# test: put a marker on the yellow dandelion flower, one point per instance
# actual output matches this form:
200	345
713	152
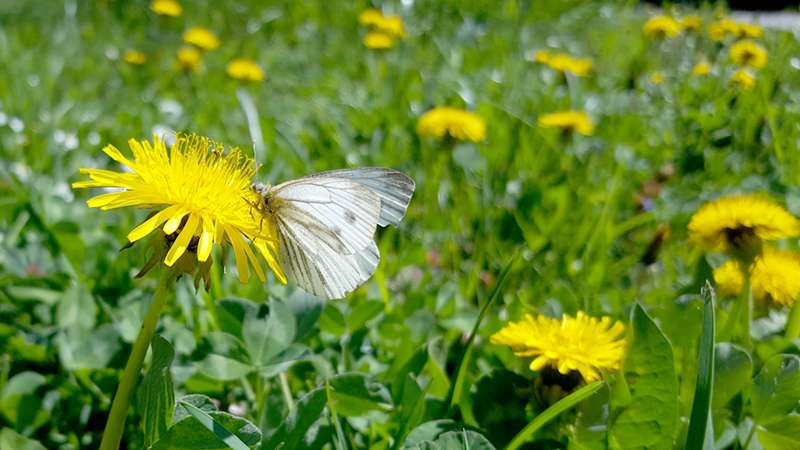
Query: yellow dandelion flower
743	79
188	58
134	57
457	123
245	70
657	78
584	344
701	69
735	221
750	30
776	277
692	23
662	27
749	54
205	195
568	121
580	67
370	17
392	25
202	38
542	56
723	29
169	8
378	41
729	278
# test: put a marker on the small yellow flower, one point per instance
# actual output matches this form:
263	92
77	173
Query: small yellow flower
245	70
568	121
729	278
378	41
169	8
390	25
134	57
457	123
657	78
370	17
692	23
749	54
204	196
723	29
750	30
188	58
776	277
200	37
584	344
743	79
701	69
542	56
580	67
735	221
662	27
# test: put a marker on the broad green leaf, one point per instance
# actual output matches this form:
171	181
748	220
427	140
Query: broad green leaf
354	395
733	370
230	314
776	389
306	309
362	312
429	431
410	409
281	362
456	440
156	394
781	434
11	440
84	349
502	397
332	320
267	337
215	426
293	432
701	406
591	424
223	368
414	365
650	419
18	401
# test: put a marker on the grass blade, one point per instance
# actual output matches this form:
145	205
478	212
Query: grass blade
701	405
222	433
552	412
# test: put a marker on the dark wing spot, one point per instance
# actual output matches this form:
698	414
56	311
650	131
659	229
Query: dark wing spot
350	217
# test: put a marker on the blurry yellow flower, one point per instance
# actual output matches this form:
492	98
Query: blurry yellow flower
584	344
378	41
662	27
204	196
370	17
390	25
457	123
245	70
729	278
580	67
701	69
568	121
692	23
749	54
657	78
201	37
134	57
188	58
776	277
722	29
542	56
736	221
169	8
743	79
750	30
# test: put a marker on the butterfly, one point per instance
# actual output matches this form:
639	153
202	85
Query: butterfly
326	222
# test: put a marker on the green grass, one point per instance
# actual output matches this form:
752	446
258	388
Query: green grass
374	370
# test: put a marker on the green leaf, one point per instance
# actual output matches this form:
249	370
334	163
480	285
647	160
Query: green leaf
552	412
156	394
363	312
651	418
502	397
215	426
306	309
456	440
18	401
733	370
776	388
266	339
429	431
293	432
332	320
11	440
223	368
414	365
353	394
701	406
410	408
781	434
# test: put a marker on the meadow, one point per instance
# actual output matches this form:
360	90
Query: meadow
619	276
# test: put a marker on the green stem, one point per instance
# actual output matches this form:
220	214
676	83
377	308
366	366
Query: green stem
287	392
122	399
793	325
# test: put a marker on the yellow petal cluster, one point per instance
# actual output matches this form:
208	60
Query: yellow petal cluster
743	79
692	23
456	123
657	78
201	197
774	277
202	38
561	62
748	53
729	278
378	41
582	343
169	8
134	57
662	27
188	58
569	121
392	26
244	69
701	69
723	29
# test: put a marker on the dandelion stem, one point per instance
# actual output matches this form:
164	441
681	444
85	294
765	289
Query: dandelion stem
253	124
122	399
286	391
793	325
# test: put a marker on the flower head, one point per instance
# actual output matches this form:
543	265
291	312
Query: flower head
750	30
202	38
203	197
657	78
729	278
568	121
370	17
389	25
580	67
169	8
134	57
456	123
584	344
776	277
701	69
189	58
245	70
749	54
743	79
723	29
378	41
542	56
662	27
736	221
692	23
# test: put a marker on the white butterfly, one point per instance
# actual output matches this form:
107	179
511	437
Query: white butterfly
326	224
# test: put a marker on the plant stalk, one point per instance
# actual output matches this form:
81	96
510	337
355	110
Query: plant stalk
793	324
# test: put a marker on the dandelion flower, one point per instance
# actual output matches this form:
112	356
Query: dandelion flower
169	8
568	121
370	17
584	344
729	278
200	37
542	56
456	123
375	19
749	54
580	67
743	79
723	29
776	277
662	27
204	197
692	23
701	69
378	41
245	70
657	78
750	30
134	57
188	58
736	221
